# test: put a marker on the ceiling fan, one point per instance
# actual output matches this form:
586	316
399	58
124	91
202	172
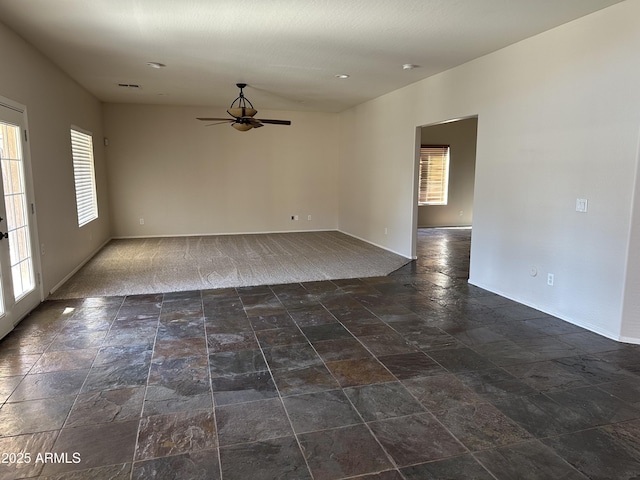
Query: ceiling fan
243	112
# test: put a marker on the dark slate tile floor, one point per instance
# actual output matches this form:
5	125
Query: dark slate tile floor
416	375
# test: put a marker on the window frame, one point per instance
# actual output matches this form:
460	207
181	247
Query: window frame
442	183
84	175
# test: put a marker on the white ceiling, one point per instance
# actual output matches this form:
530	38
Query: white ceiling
288	51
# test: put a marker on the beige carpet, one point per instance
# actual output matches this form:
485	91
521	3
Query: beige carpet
155	265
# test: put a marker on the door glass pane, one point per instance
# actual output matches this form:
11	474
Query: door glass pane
17	221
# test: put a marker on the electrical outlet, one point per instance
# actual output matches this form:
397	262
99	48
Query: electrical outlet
309	217
141	221
550	279
386	231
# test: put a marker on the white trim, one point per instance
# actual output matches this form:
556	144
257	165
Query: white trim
375	244
75	270
586	325
209	234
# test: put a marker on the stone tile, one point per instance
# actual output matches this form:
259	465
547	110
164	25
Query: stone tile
114	377
180	348
541	416
183	328
123	356
411	365
31	444
385	400
368	329
585	451
280	336
389	344
329	331
455	468
595	406
495	384
97	445
56	361
388	475
481	426
312	316
235	363
527	461
201	465
343	452
243	388
546	376
272	321
292	357
107	406
33	416
107	472
279	458
174	434
7	386
175	372
626	433
18	364
547	348
589	342
362	371
252	421
441	392
185	397
227	323
415	439
304	380
320	411
341	349
594	370
506	352
461	360
478	336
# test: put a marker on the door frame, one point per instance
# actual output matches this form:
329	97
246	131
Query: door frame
30	190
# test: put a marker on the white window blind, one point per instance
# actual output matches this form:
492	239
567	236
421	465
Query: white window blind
434	175
84	175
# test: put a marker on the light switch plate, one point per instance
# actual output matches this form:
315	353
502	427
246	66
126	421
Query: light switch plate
581	205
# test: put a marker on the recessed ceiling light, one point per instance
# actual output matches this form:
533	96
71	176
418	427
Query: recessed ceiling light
156	64
342	75
410	66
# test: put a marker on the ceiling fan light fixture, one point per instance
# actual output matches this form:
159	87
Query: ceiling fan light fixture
242	111
241	106
243	127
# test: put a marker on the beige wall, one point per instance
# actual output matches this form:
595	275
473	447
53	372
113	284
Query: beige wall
185	178
461	138
546	136
53	103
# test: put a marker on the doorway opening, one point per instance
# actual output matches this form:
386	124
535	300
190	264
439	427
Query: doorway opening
457	140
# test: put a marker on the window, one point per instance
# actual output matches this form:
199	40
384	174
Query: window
434	175
84	175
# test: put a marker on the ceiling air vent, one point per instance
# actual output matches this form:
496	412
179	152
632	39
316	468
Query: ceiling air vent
128	85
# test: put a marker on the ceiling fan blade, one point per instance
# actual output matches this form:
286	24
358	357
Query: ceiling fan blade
275	122
216	119
218	123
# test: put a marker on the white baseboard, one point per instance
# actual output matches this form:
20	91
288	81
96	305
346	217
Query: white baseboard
375	244
209	234
75	270
586	325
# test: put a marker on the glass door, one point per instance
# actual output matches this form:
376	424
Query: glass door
18	293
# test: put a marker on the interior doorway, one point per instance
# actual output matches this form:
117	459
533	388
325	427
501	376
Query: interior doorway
459	138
